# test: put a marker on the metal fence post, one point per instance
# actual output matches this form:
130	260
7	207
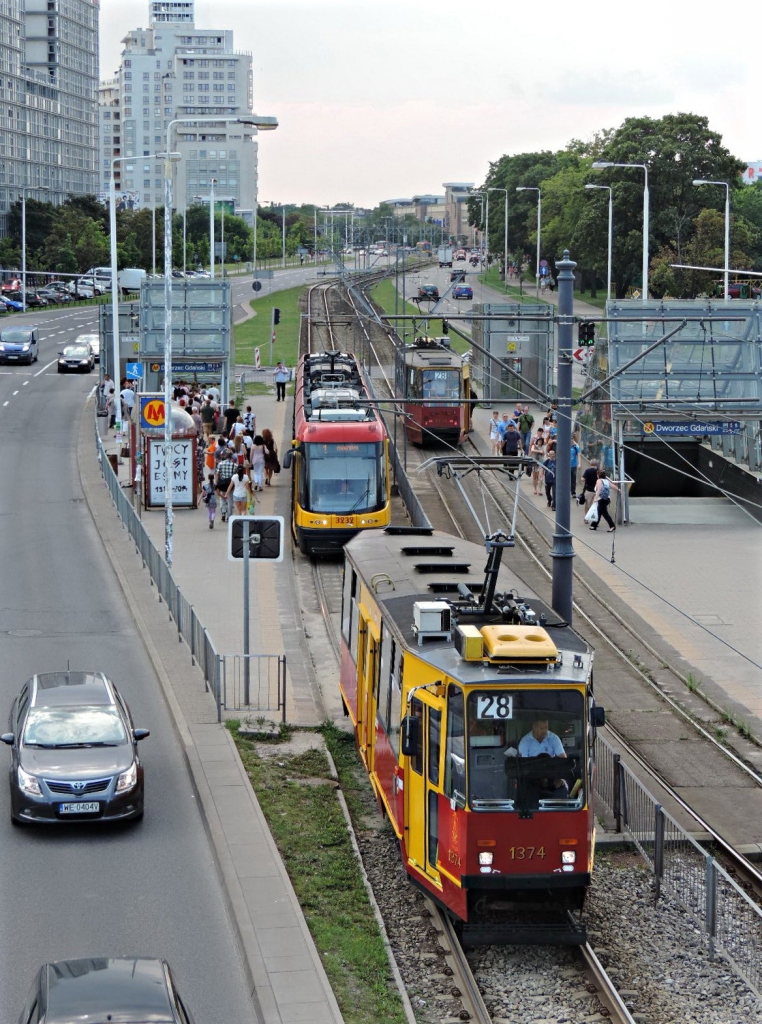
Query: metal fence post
711	902
617	792
658	848
282	673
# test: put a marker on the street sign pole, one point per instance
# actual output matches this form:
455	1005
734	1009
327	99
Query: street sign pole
562	551
246	674
272	334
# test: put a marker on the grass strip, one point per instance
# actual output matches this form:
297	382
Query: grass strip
255	333
310	832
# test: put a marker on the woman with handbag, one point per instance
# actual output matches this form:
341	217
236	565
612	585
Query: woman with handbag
272	465
602	499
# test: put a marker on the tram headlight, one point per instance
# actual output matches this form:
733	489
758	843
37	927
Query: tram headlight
485	859
568	856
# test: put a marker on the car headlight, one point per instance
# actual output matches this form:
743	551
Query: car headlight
28	783
84	362
26	347
127	779
2	348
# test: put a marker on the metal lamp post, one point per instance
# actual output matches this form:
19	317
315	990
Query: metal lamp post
601	165
531	188
263	123
726	274
505	236
611	222
34	188
212	183
283	234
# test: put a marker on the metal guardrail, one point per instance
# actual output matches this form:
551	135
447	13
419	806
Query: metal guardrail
729	920
221	672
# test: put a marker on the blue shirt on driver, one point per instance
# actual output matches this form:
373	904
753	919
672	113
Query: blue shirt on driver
550	744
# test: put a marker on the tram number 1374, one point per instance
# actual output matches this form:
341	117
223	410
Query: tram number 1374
527	852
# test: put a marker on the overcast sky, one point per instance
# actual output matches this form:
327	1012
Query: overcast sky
383	100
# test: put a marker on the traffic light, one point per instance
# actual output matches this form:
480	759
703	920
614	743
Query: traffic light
445	327
276	316
586	333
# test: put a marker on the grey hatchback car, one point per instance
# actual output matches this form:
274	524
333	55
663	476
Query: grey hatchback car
74	751
19	345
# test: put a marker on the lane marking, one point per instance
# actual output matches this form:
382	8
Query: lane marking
46	367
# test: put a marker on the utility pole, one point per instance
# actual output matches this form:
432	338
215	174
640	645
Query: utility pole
562	551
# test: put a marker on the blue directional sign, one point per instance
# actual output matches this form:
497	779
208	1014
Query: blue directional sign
134	371
691	427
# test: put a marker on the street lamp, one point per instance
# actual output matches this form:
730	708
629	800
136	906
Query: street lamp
212	183
505	236
726	186
611	221
114	292
531	188
601	165
263	123
475	192
35	188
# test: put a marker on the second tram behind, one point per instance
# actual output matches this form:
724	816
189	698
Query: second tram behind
339	456
438	382
474	714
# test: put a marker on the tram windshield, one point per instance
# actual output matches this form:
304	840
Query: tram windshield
519	750
441	384
345	478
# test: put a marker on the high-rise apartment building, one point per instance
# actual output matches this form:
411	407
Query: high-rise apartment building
173	70
48	100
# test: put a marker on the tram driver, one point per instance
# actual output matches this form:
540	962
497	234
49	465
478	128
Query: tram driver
541	742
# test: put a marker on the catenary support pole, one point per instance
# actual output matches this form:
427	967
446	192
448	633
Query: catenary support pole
562	551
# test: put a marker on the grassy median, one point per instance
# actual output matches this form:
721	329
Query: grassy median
255	333
299	801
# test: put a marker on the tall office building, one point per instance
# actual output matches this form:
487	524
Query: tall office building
48	100
174	70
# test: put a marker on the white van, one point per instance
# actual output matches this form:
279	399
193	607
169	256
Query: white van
130	279
101	274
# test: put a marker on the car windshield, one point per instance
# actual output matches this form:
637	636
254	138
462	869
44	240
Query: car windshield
74	727
76	352
16	334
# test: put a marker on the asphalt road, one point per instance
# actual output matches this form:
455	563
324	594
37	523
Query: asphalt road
151	888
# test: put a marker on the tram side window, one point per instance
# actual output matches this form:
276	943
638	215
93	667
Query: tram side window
395	702
385	678
413	387
455	760
354	627
435	734
349	591
416	759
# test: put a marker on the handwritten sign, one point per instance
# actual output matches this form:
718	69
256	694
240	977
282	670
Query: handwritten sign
182	470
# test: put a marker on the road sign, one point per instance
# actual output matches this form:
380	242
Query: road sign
692	427
256	285
581	355
265	533
151	412
134	371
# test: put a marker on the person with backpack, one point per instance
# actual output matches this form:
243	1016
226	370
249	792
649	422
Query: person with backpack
210	499
602	496
225	469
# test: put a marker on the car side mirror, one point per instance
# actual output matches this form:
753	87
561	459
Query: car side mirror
60	353
288	458
411	735
140	734
597	717
8	737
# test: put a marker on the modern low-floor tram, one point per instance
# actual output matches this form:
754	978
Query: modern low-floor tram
453	677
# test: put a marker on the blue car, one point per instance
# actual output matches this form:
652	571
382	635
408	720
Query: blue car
463	291
11	305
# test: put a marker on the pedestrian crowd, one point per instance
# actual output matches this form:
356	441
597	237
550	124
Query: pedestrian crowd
511	437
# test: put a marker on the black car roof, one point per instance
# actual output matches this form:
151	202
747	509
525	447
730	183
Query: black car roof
62	688
122	990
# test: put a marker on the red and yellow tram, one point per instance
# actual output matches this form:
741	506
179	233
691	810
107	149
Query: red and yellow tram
455	686
339	455
437	381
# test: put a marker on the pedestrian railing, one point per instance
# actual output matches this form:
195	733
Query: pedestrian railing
232	678
730	922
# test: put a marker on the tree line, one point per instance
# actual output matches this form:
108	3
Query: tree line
687	222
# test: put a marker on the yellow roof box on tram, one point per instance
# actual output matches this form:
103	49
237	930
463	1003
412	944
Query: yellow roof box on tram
518	643
469	643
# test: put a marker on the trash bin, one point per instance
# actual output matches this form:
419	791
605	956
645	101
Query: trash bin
114	460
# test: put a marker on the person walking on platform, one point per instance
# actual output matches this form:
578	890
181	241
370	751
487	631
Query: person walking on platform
225	469
549	465
603	497
511	449
207	417
537	451
589	480
574	465
494	433
240	489
257	459
281	379
271	456
525	424
210	500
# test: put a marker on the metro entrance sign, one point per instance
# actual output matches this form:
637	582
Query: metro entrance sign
691	427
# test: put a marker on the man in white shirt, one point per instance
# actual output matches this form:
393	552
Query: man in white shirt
540	740
128	402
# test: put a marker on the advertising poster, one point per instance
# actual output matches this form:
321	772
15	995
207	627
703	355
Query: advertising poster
182	473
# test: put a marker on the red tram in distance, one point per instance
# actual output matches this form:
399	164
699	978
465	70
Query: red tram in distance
474	715
339	455
438	380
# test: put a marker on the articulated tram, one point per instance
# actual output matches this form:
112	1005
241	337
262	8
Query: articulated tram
339	455
474	715
438	380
